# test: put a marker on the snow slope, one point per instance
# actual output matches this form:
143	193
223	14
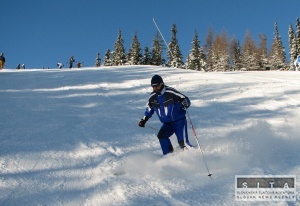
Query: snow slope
71	137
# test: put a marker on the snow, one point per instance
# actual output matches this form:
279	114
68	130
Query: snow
71	137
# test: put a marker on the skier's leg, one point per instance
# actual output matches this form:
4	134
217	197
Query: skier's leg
186	136
164	135
180	128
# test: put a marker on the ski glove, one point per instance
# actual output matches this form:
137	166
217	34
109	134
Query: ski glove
143	121
185	104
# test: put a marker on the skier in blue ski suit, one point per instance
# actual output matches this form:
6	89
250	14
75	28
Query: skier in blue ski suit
170	106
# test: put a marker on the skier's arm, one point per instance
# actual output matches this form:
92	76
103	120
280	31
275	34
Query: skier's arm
186	103
178	97
149	111
148	114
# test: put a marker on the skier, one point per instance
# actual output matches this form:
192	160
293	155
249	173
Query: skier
2	61
78	64
98	60
170	105
297	63
71	62
60	65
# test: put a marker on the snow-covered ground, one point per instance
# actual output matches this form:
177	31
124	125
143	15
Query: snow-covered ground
71	137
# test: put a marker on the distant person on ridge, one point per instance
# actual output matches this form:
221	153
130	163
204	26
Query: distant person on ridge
71	62
2	61
297	63
78	64
170	106
60	65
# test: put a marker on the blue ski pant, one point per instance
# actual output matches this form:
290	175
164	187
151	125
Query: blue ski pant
167	130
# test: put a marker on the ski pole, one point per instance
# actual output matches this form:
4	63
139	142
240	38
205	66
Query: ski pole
152	128
195	135
163	38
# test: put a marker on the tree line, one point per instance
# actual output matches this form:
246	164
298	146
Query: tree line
219	52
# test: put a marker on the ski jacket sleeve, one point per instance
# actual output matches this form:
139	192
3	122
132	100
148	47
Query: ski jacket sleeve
179	97
149	110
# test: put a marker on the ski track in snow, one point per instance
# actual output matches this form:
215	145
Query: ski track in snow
70	137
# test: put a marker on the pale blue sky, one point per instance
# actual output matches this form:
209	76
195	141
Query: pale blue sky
41	33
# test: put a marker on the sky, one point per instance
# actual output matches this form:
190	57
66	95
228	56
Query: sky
43	33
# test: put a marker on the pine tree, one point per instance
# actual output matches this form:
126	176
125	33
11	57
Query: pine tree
298	36
262	53
174	54
208	49
277	54
236	54
196	58
107	58
292	46
135	55
220	53
98	60
146	60
249	60
157	50
119	56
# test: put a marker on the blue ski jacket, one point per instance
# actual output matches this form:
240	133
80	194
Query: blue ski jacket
167	105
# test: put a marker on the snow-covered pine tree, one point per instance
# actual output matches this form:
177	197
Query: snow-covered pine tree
98	60
107	58
262	52
146	60
208	49
157	51
187	64
220	53
249	60
298	36
174	54
119	56
277	54
196	57
134	54
292	46
203	59
236	54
